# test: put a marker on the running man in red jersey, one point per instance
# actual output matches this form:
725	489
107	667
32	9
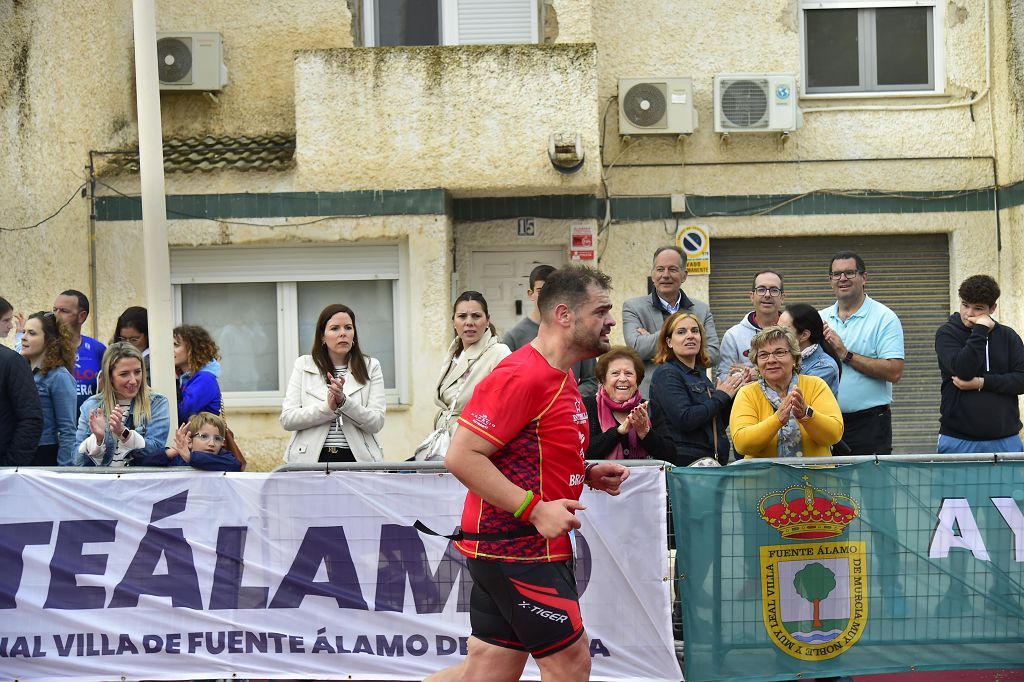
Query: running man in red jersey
519	451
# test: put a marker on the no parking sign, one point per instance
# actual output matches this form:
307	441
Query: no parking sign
695	243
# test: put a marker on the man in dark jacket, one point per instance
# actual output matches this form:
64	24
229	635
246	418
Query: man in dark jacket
982	365
21	418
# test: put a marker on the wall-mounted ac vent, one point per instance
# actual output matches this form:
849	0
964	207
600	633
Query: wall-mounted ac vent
656	106
191	61
756	103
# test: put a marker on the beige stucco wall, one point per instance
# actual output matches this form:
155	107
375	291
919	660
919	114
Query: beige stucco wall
259	39
763	37
471	119
55	105
426	241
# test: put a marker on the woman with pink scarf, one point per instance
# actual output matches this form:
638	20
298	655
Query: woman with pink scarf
620	425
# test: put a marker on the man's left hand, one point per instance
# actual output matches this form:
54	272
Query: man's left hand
607	476
974	384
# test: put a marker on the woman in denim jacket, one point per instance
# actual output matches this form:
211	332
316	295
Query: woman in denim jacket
688	409
125	420
818	358
47	346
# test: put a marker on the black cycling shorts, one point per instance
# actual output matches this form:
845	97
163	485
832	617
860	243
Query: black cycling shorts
530	607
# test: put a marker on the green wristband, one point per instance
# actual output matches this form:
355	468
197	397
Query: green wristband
524	505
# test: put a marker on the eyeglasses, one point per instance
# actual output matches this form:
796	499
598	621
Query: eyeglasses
778	354
848	274
774	292
206	438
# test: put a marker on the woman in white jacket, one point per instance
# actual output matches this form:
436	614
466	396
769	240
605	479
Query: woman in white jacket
335	401
471	356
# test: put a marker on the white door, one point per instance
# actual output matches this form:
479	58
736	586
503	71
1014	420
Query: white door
503	278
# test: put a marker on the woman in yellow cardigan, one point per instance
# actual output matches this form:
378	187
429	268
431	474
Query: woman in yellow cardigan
783	413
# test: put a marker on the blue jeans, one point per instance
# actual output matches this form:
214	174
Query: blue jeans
949	444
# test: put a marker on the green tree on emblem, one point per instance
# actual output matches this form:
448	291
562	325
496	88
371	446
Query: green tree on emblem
814	583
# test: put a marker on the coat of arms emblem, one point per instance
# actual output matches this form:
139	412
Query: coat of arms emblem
814	593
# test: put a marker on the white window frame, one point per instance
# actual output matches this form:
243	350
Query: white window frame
938	49
288	311
449	20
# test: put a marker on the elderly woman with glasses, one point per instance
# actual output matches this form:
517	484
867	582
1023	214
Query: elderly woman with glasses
783	413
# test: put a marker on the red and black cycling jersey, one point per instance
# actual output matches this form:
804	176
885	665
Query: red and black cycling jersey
535	415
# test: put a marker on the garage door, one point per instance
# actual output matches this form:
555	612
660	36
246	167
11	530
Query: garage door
910	274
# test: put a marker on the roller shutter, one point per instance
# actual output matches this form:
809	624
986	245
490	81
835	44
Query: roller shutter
909	274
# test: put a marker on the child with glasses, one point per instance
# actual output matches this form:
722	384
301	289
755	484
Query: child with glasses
200	444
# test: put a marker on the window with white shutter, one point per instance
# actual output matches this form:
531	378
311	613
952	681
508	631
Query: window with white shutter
451	22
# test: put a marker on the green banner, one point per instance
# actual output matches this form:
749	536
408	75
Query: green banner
796	572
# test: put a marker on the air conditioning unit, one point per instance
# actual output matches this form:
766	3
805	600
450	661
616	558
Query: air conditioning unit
656	106
756	103
191	61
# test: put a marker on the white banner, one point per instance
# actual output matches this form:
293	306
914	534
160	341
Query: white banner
292	575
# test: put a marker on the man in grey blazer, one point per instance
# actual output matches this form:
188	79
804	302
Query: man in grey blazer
643	316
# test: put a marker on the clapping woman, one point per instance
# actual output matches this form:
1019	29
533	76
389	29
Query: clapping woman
47	346
335	401
471	356
692	411
125	420
620	423
783	413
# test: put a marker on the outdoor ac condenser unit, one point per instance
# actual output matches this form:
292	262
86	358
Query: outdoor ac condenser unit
656	106
191	61
756	103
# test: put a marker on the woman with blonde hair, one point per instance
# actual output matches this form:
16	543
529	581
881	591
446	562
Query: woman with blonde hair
125	420
195	361
335	402
47	346
784	413
688	409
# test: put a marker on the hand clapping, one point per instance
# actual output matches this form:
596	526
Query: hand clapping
116	421
97	424
793	405
640	420
335	392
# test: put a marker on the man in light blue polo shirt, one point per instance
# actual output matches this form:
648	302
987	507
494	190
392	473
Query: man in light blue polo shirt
868	337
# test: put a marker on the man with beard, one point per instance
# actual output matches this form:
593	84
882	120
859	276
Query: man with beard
521	506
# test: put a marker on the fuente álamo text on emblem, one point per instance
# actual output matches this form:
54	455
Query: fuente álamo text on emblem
814	593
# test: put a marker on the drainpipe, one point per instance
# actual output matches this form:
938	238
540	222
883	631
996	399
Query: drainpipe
154	208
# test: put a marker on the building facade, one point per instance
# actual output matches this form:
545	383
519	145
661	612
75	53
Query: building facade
391	154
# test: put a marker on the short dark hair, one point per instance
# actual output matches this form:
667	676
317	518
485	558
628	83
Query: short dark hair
782	284
619	353
661	249
135	317
846	255
540	274
569	285
479	298
83	300
5	306
979	289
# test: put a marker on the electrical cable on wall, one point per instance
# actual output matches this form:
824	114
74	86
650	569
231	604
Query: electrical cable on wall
80	188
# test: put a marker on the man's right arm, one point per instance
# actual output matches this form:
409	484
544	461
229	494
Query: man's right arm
644	344
966	360
469	459
23	399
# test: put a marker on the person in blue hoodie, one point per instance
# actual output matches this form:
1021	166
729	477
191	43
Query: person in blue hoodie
196	361
46	345
199	444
